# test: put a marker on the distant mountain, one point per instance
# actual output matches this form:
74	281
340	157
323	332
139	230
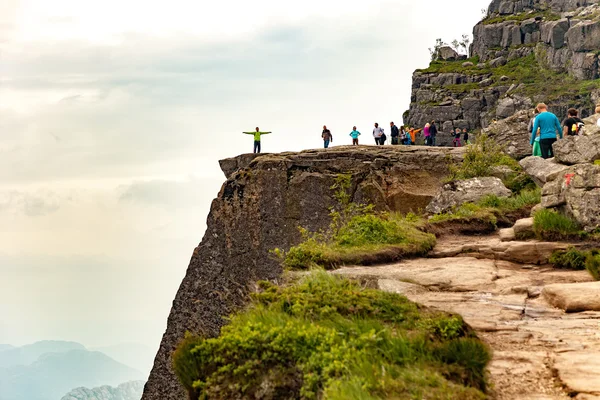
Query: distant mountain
135	355
27	355
125	391
55	374
6	347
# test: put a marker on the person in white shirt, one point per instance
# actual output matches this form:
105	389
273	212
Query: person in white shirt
377	134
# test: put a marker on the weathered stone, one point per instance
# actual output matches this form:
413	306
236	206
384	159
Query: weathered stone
584	36
486	83
471	190
498	62
542	171
523	228
505	108
467	64
507	234
447	53
574	297
579	371
512	133
577	149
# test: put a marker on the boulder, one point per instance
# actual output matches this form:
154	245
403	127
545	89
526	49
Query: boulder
507	235
542	171
505	108
576	192
467	191
498	62
591	125
577	149
579	371
584	36
512	133
447	53
574	297
467	64
523	228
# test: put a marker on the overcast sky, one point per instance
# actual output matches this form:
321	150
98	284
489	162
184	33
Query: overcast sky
114	114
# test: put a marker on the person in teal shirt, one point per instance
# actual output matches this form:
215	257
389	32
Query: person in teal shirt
257	136
549	126
354	135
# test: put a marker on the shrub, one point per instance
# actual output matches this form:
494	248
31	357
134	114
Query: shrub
328	337
569	259
550	225
592	264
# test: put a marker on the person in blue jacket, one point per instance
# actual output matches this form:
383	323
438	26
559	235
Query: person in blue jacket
549	126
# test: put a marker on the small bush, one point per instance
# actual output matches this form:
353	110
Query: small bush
550	225
592	264
569	259
325	337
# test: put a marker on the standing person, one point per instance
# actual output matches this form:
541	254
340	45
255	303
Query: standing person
456	140
413	135
377	134
432	132
549	126
257	136
466	140
327	137
395	133
354	135
426	134
573	126
532	120
403	135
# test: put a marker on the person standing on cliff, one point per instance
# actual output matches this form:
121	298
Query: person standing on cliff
327	137
395	133
354	135
432	133
377	134
257	136
549	126
426	134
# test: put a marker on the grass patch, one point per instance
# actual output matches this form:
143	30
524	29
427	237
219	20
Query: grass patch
325	337
489	213
547	15
578	260
553	226
357	235
363	240
569	259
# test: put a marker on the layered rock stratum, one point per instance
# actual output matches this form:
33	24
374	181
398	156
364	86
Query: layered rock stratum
523	52
260	207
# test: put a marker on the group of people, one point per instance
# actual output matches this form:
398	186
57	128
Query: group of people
545	129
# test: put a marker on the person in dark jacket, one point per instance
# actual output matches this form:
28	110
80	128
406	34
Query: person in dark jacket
432	133
395	133
327	137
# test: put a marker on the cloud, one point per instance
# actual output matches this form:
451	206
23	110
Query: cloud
37	204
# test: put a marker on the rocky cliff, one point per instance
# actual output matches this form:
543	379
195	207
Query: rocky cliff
260	207
126	391
523	52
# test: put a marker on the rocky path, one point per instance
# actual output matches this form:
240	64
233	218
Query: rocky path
505	291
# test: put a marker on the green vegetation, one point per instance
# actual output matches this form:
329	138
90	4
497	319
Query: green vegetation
547	15
325	337
484	158
578	260
533	78
490	210
358	235
569	259
553	226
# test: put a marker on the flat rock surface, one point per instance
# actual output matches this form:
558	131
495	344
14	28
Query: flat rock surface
574	297
539	351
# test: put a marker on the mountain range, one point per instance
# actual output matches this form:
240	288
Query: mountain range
48	370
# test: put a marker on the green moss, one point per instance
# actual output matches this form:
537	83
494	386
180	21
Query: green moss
547	15
592	264
569	259
326	337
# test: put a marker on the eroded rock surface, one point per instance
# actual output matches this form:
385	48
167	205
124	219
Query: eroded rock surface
574	298
542	171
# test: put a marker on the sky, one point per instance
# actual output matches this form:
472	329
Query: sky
114	114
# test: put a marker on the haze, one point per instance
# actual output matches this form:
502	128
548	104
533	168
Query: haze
113	116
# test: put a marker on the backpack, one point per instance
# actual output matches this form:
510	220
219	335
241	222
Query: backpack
383	138
578	127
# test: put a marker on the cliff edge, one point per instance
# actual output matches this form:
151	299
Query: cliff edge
260	207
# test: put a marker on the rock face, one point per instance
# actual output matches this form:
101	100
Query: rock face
542	171
513	134
559	36
577	149
576	193
126	391
466	191
261	206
